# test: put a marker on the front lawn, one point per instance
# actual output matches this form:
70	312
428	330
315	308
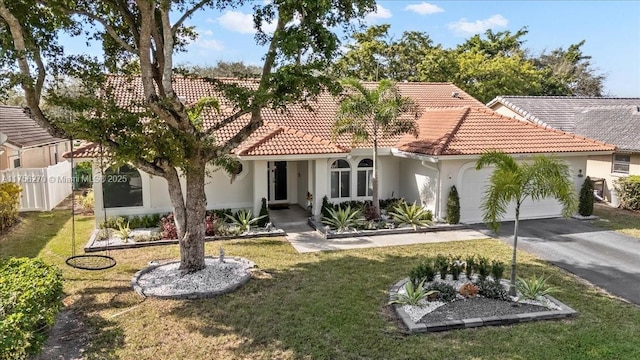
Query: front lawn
620	220
320	306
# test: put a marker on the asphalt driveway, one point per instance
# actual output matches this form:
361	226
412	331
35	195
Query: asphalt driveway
605	258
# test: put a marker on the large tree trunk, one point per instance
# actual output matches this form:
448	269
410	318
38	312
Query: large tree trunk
189	215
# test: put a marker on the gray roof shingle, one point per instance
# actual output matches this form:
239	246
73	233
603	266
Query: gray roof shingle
21	130
610	120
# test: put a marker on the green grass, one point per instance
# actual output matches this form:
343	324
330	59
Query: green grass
623	221
328	305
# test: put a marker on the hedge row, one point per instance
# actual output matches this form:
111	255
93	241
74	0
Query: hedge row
30	294
628	190
9	205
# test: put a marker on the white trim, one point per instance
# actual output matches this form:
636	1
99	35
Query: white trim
414	156
293	157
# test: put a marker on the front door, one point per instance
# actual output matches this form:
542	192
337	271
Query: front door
277	181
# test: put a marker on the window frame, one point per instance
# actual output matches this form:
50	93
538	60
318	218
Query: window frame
368	171
616	162
113	172
340	171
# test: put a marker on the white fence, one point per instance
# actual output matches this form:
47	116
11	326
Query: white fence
42	188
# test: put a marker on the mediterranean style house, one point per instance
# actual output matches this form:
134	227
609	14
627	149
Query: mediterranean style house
611	120
294	155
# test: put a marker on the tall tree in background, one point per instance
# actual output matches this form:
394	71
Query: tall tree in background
141	37
485	66
225	69
369	114
511	184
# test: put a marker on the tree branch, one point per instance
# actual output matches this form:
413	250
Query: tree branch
187	14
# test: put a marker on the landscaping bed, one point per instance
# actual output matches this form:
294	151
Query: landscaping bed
328	233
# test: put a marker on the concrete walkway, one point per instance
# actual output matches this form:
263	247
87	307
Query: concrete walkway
305	239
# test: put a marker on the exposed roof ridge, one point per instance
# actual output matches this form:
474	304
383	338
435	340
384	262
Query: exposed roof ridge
446	140
545	127
524	113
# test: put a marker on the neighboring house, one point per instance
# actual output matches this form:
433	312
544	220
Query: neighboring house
28	145
293	154
610	120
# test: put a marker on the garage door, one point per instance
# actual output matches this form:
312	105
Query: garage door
471	187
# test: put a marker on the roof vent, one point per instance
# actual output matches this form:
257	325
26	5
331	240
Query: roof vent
454	94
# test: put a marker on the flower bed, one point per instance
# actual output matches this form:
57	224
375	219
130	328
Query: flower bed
328	233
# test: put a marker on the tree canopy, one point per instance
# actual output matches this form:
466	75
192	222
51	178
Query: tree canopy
159	133
496	63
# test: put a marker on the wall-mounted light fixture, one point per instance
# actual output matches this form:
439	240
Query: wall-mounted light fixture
580	173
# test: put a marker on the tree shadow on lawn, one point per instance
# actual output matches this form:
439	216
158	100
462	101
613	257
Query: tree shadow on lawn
336	308
33	233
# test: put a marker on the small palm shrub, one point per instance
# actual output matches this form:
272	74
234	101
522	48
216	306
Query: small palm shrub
124	231
424	271
491	289
342	219
412	215
445	292
534	287
414	294
585	206
453	206
470	265
497	269
441	263
244	220
483	266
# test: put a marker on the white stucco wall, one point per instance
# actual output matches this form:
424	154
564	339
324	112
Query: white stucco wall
302	183
418	183
388	177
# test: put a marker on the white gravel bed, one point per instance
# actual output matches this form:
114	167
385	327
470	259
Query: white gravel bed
167	280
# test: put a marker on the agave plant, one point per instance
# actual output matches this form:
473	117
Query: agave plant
534	287
413	294
244	220
412	215
342	219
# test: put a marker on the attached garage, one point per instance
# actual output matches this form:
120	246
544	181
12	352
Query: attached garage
471	186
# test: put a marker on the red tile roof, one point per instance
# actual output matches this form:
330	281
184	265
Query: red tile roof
452	122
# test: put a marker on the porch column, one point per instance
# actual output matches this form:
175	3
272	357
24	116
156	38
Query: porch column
260	184
321	188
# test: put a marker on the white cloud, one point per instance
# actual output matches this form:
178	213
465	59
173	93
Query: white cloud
240	22
380	13
463	27
424	8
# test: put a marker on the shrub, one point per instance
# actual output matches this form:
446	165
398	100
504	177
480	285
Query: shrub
168	225
220	213
83	175
497	269
212	225
30	294
453	206
628	190
441	263
389	204
483	266
9	205
87	202
469	290
534	287
446	292
244	220
124	231
342	219
412	215
456	269
326	206
491	289
470	265
414	293
585	207
370	213
263	215
423	271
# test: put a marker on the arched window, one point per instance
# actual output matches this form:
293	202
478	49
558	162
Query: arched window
122	187
365	173
340	179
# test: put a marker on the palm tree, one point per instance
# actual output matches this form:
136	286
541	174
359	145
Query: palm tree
510	182
368	114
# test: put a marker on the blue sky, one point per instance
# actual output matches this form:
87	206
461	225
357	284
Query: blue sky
611	30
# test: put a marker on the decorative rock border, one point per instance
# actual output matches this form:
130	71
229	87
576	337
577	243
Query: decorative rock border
405	230
564	312
247	264
91	247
